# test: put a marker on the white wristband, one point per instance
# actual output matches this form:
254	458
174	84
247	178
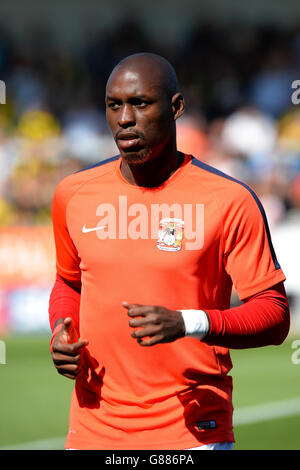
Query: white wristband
196	323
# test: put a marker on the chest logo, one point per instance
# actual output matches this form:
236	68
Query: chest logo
93	229
170	234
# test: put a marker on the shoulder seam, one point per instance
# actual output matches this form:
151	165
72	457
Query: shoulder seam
88	181
83	183
217	172
95	165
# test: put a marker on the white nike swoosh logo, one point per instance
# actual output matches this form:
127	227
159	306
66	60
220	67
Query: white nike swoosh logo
87	230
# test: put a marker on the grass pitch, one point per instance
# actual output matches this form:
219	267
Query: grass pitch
34	405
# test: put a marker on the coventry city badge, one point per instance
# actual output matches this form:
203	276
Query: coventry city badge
170	234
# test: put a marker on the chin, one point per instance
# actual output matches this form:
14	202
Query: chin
136	158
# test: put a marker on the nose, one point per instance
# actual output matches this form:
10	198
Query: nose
126	116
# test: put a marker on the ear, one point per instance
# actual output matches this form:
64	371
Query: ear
177	104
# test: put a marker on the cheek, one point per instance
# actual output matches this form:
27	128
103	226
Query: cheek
157	128
111	121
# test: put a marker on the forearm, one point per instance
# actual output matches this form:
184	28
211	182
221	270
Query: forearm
64	302
262	320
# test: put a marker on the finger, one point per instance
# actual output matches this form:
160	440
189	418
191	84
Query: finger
68	368
80	344
147	331
140	321
67	375
60	359
151	341
69	349
72	377
129	306
139	310
69	371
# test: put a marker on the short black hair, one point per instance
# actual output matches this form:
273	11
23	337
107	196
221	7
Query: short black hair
169	76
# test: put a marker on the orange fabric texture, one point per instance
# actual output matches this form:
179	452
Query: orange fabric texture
181	245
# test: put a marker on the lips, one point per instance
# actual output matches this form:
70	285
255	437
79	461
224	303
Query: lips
127	140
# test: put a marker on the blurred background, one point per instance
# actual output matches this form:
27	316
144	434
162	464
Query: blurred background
238	65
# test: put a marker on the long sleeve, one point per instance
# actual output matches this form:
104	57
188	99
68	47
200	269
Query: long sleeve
262	320
64	302
65	296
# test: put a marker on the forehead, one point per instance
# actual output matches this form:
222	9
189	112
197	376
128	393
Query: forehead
134	81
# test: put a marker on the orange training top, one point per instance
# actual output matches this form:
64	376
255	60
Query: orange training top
181	245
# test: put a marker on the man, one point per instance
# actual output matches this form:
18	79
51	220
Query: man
149	244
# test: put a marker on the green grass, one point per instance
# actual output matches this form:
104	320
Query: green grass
35	399
279	434
266	375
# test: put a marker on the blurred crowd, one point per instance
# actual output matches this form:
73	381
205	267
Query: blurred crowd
240	116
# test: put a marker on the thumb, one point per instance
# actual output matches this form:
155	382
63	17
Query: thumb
67	324
69	331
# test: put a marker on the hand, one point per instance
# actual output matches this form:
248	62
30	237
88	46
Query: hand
67	350
154	323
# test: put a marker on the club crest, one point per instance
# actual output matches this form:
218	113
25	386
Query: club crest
170	234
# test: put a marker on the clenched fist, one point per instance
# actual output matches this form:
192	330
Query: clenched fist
154	324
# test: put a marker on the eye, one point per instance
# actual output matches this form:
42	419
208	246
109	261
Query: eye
113	105
139	102
142	104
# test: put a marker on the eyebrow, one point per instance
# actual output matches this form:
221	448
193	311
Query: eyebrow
140	97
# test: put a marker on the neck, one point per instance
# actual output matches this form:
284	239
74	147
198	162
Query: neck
154	172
